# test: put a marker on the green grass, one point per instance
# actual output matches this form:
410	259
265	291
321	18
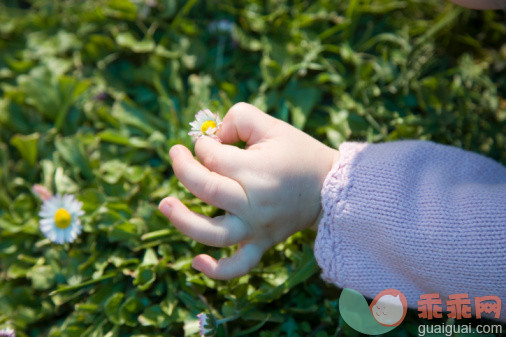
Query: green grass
94	93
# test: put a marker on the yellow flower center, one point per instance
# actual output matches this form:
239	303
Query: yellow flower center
62	218
206	125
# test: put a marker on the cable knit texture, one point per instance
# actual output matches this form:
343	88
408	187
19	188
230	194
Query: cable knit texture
414	216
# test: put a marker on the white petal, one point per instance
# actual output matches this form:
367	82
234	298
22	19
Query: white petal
50	234
49	207
210	131
200	116
74	207
209	114
47	213
47	222
67	234
60	235
78	229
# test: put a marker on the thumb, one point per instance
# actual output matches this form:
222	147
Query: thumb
244	122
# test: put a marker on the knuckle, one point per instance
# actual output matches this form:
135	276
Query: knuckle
211	187
209	159
238	109
221	239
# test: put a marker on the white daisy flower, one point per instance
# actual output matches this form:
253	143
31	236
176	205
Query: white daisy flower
206	124
60	221
7	332
207	325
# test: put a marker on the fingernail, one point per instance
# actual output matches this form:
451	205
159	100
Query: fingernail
196	265
165	208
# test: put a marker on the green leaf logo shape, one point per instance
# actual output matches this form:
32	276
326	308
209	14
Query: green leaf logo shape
389	307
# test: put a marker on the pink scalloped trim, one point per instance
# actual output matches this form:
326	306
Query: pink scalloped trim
334	195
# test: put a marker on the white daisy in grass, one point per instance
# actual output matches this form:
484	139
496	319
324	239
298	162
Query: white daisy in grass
207	325
7	332
60	221
206	124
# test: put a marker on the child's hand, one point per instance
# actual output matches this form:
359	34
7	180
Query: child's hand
270	190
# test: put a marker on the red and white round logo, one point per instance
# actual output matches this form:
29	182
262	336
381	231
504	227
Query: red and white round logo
389	307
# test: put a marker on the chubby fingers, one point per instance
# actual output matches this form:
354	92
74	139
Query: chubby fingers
244	122
239	264
221	158
220	231
210	187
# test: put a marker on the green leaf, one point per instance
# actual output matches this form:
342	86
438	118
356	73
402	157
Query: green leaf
27	146
112	308
115	137
154	316
69	90
84	284
92	199
145	278
42	277
63	182
254	328
304	270
123	231
150	258
129	114
127	40
17	270
121	9
157	234
72	150
301	99
130	310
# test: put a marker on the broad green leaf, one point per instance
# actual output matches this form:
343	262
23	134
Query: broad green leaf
42	277
129	114
123	231
121	9
145	278
72	150
130	310
127	40
17	270
150	258
153	316
92	199
115	137
112	308
301	99
64	184
27	146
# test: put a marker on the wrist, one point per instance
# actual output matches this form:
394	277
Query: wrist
334	158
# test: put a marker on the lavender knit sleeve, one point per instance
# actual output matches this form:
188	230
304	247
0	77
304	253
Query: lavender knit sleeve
414	216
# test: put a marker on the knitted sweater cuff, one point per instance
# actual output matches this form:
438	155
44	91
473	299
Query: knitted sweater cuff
335	189
414	216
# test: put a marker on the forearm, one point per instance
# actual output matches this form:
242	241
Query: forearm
415	216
